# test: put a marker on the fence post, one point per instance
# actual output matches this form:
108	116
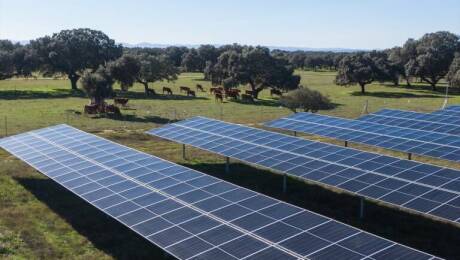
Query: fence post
6	126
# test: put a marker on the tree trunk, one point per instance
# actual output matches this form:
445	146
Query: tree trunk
146	87
433	86
73	80
363	90
408	82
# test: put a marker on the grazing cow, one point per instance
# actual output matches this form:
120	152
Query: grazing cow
247	98
191	93
199	88
275	92
167	90
183	88
151	92
219	97
231	93
112	109
91	109
120	101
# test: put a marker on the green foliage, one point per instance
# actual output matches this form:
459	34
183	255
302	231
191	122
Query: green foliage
354	69
192	62
253	66
434	53
453	76
305	99
125	70
16	60
98	85
155	68
72	51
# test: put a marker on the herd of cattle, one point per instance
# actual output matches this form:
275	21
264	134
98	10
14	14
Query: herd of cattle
219	93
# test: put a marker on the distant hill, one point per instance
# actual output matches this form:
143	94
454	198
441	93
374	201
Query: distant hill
284	48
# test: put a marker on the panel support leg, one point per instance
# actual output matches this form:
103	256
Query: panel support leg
295	133
361	207
284	183
346	144
183	152
409	156
227	164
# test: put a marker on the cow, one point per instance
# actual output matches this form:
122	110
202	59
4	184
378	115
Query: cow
112	109
183	88
232	93
91	109
219	97
120	101
247	98
275	92
199	88
167	90
191	93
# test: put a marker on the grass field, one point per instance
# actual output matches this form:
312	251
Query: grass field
39	219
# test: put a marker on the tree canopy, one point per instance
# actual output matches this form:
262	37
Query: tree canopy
71	52
453	76
16	60
253	66
97	84
434	53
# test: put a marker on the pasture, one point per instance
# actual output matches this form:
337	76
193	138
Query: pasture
39	219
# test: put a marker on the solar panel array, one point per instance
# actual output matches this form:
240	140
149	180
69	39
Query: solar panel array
426	143
449	111
425	188
187	213
415	120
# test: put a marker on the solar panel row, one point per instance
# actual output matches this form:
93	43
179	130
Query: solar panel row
449	111
415	120
189	214
421	187
426	143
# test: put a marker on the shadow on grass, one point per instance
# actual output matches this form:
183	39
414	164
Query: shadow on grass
440	88
438	238
141	95
104	232
34	94
273	103
384	94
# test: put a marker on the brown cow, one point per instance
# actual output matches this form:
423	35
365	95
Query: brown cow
219	97
112	109
120	101
167	90
184	88
199	88
231	93
91	109
191	93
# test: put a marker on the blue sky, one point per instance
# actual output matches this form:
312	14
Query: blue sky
362	24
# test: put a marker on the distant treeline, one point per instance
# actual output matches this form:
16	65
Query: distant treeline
70	52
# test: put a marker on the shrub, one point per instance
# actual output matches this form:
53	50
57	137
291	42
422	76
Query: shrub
305	99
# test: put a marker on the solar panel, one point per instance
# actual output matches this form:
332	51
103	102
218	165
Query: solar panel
187	213
449	111
403	183
415	120
437	145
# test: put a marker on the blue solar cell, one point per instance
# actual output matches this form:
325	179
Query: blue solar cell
183	229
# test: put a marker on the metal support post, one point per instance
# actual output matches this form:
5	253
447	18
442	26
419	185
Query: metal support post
227	164
183	152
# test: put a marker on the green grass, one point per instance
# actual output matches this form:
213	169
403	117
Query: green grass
39	219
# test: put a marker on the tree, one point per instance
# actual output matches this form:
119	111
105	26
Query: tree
385	70
16	60
434	54
155	68
175	54
358	69
192	62
305	99
73	51
125	70
453	76
97	84
207	53
253	66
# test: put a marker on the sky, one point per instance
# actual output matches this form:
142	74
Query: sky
357	24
